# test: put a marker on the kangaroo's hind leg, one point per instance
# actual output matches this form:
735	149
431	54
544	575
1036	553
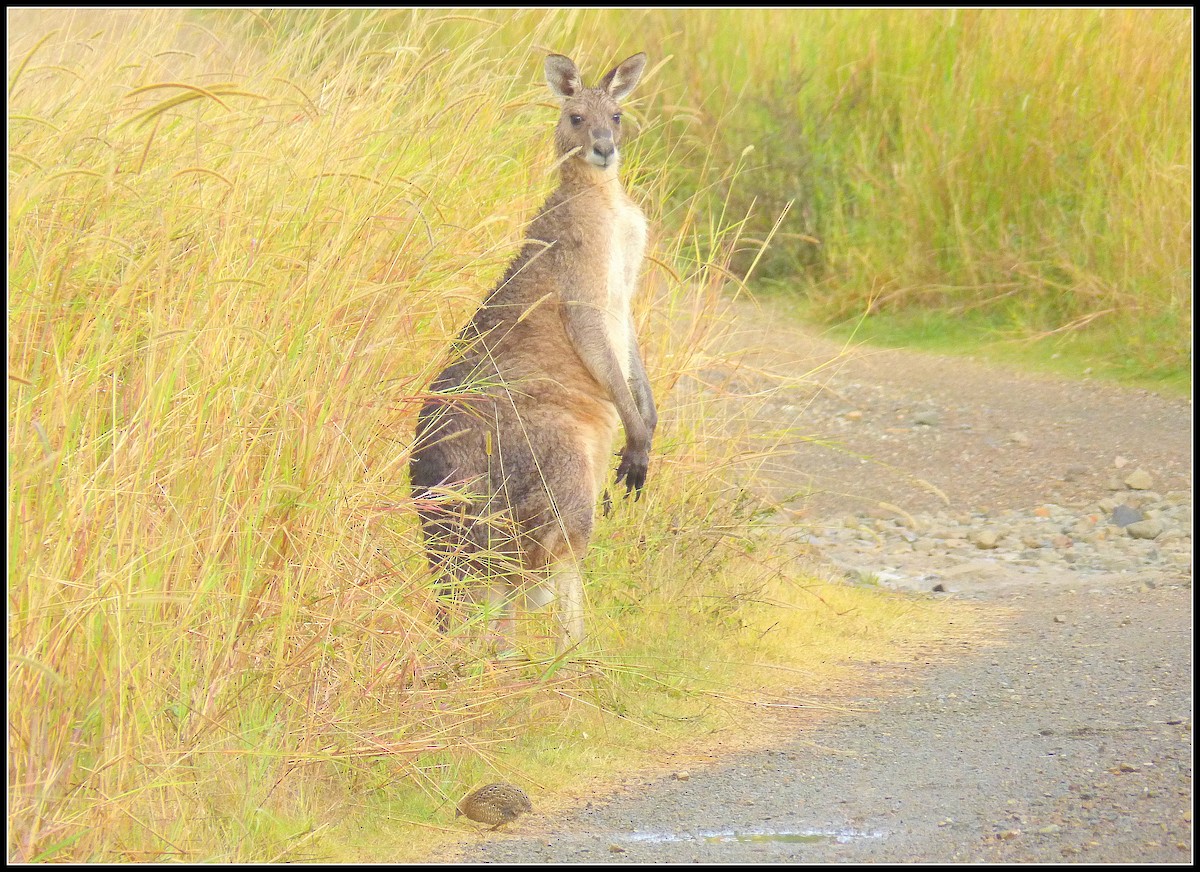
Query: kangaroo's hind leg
446	550
474	561
561	541
567	581
562	586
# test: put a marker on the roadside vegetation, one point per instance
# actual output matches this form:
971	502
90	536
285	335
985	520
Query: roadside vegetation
1011	182
239	243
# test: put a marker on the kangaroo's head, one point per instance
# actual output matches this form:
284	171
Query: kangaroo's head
590	125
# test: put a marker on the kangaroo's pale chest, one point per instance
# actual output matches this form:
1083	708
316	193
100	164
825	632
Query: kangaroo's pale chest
626	248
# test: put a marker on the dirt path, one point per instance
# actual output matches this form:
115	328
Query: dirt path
1070	741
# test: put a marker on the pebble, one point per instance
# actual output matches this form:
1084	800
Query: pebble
1139	479
985	538
926	418
1145	529
1074	472
1130	531
1124	515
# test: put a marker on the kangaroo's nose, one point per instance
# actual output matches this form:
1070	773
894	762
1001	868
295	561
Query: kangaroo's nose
602	143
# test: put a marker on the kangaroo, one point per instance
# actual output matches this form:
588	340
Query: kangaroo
513	445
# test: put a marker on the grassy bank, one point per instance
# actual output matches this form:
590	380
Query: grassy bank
1025	173
238	245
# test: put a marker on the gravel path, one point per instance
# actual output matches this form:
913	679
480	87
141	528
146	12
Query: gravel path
1067	504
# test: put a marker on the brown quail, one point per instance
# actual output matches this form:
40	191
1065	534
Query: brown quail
495	804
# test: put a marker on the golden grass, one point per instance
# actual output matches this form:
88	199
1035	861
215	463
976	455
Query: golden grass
1031	166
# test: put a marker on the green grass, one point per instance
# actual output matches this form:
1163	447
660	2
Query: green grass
1027	170
1124	353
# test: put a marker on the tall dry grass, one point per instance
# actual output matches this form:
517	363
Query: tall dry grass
1030	169
237	247
239	243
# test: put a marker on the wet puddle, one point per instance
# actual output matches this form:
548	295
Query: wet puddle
840	836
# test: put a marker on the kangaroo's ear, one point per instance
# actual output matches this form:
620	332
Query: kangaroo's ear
621	78
562	76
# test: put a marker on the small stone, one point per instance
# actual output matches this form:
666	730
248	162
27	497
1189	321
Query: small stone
1124	515
1049	829
926	418
1081	528
854	415
1119	461
939	588
1074	472
1060	619
616	849
1019	438
1124	767
987	538
681	775
1145	529
1139	479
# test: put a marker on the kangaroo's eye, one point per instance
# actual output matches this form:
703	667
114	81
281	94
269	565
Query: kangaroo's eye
617	118
576	120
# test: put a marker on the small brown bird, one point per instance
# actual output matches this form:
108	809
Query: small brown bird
495	804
